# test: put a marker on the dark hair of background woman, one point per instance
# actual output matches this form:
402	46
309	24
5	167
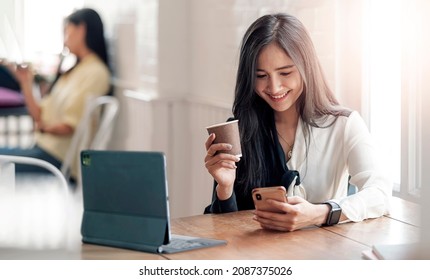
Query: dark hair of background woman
95	32
256	117
94	37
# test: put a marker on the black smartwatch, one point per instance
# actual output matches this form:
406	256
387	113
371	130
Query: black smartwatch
334	214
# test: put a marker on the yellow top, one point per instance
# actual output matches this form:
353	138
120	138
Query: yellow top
66	102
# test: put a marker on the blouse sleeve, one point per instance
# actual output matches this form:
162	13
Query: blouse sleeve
375	187
221	206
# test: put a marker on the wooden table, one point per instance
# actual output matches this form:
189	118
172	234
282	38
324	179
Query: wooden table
246	240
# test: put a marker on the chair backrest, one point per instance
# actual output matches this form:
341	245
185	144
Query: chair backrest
7	170
103	110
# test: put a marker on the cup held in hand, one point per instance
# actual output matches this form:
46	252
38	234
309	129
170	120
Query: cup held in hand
227	132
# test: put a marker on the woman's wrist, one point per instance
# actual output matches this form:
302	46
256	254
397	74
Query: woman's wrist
224	193
322	213
26	88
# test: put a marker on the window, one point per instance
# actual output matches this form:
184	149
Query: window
36	32
391	63
382	67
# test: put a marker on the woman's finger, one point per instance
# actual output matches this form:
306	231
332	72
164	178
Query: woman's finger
210	140
217	163
214	148
273	224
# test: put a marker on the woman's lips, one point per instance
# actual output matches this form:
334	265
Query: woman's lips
278	97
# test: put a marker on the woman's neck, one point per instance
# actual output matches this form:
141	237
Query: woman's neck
287	119
84	52
286	125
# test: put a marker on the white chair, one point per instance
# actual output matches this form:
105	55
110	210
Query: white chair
103	110
40	212
7	170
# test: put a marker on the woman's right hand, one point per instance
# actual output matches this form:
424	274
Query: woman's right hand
24	75
221	166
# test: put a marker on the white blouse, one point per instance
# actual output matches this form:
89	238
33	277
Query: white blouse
335	152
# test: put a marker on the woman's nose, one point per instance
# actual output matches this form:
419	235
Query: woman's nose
273	85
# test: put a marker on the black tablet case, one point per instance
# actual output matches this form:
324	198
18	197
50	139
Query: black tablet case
125	199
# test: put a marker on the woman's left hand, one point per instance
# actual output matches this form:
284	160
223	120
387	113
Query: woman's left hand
296	214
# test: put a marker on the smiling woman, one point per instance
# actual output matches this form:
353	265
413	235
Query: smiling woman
281	94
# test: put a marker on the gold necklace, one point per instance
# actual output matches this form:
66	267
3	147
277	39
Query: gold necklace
290	151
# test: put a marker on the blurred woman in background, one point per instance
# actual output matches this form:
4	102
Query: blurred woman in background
58	113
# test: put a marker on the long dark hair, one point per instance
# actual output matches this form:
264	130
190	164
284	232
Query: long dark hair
255	116
94	37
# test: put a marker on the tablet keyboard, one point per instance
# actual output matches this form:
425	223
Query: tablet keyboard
180	244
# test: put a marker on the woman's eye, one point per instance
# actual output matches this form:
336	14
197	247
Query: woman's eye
261	76
285	73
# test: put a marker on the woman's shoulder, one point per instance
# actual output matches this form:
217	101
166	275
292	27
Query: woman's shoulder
94	65
91	72
355	123
348	116
351	120
346	121
339	117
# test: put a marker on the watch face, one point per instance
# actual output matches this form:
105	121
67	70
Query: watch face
335	216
